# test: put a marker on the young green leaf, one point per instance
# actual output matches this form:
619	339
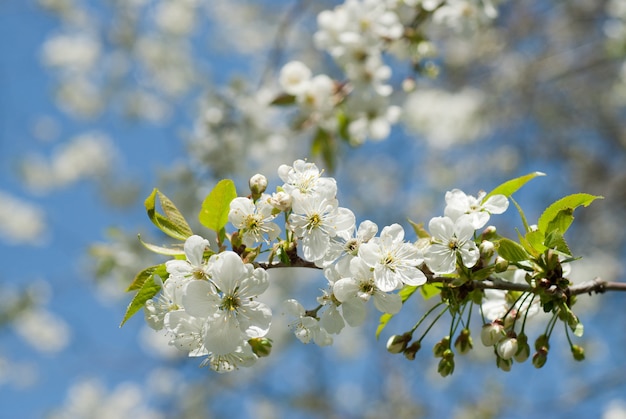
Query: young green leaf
146	274
419	229
172	223
324	145
167	251
511	251
558	216
510	187
215	208
404	293
429	291
148	290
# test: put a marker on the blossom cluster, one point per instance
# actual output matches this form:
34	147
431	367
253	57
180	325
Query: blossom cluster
357	34
208	304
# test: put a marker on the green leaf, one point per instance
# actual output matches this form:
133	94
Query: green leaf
172	223
521	214
429	291
324	145
148	290
404	293
419	229
146	274
511	251
510	187
555	240
167	251
535	240
216	206
558	216
283	100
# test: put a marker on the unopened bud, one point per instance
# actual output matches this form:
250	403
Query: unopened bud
487	249
262	347
441	346
540	357
489	233
446	366
492	333
258	185
463	343
578	353
507	348
501	264
398	343
504	364
410	352
280	200
523	348
542	342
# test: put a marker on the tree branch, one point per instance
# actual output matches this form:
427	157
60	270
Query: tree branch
595	286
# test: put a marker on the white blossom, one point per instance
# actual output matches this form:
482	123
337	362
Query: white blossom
393	261
254	220
450	240
315	220
227	303
477	209
306	328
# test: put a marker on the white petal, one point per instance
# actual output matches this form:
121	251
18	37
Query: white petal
331	320
345	289
441	228
199	299
227	271
255	319
354	311
194	249
386	280
387	303
496	204
222	334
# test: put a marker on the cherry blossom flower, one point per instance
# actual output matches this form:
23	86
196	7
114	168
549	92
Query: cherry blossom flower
316	220
393	260
194	266
306	179
477	209
227	303
306	328
449	241
358	289
254	220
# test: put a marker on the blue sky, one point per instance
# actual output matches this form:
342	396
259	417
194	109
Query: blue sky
77	216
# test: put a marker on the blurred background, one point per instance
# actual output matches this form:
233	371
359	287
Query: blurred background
100	101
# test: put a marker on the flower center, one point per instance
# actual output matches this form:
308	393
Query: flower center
315	221
230	303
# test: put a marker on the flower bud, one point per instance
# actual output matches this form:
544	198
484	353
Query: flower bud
463	343
441	346
542	342
523	348
280	200
492	333
507	348
501	264
398	343
488	233
487	249
258	185
446	366
504	364
578	353
262	347
410	352
540	357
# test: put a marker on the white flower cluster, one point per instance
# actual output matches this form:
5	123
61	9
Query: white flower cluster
209	306
356	34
